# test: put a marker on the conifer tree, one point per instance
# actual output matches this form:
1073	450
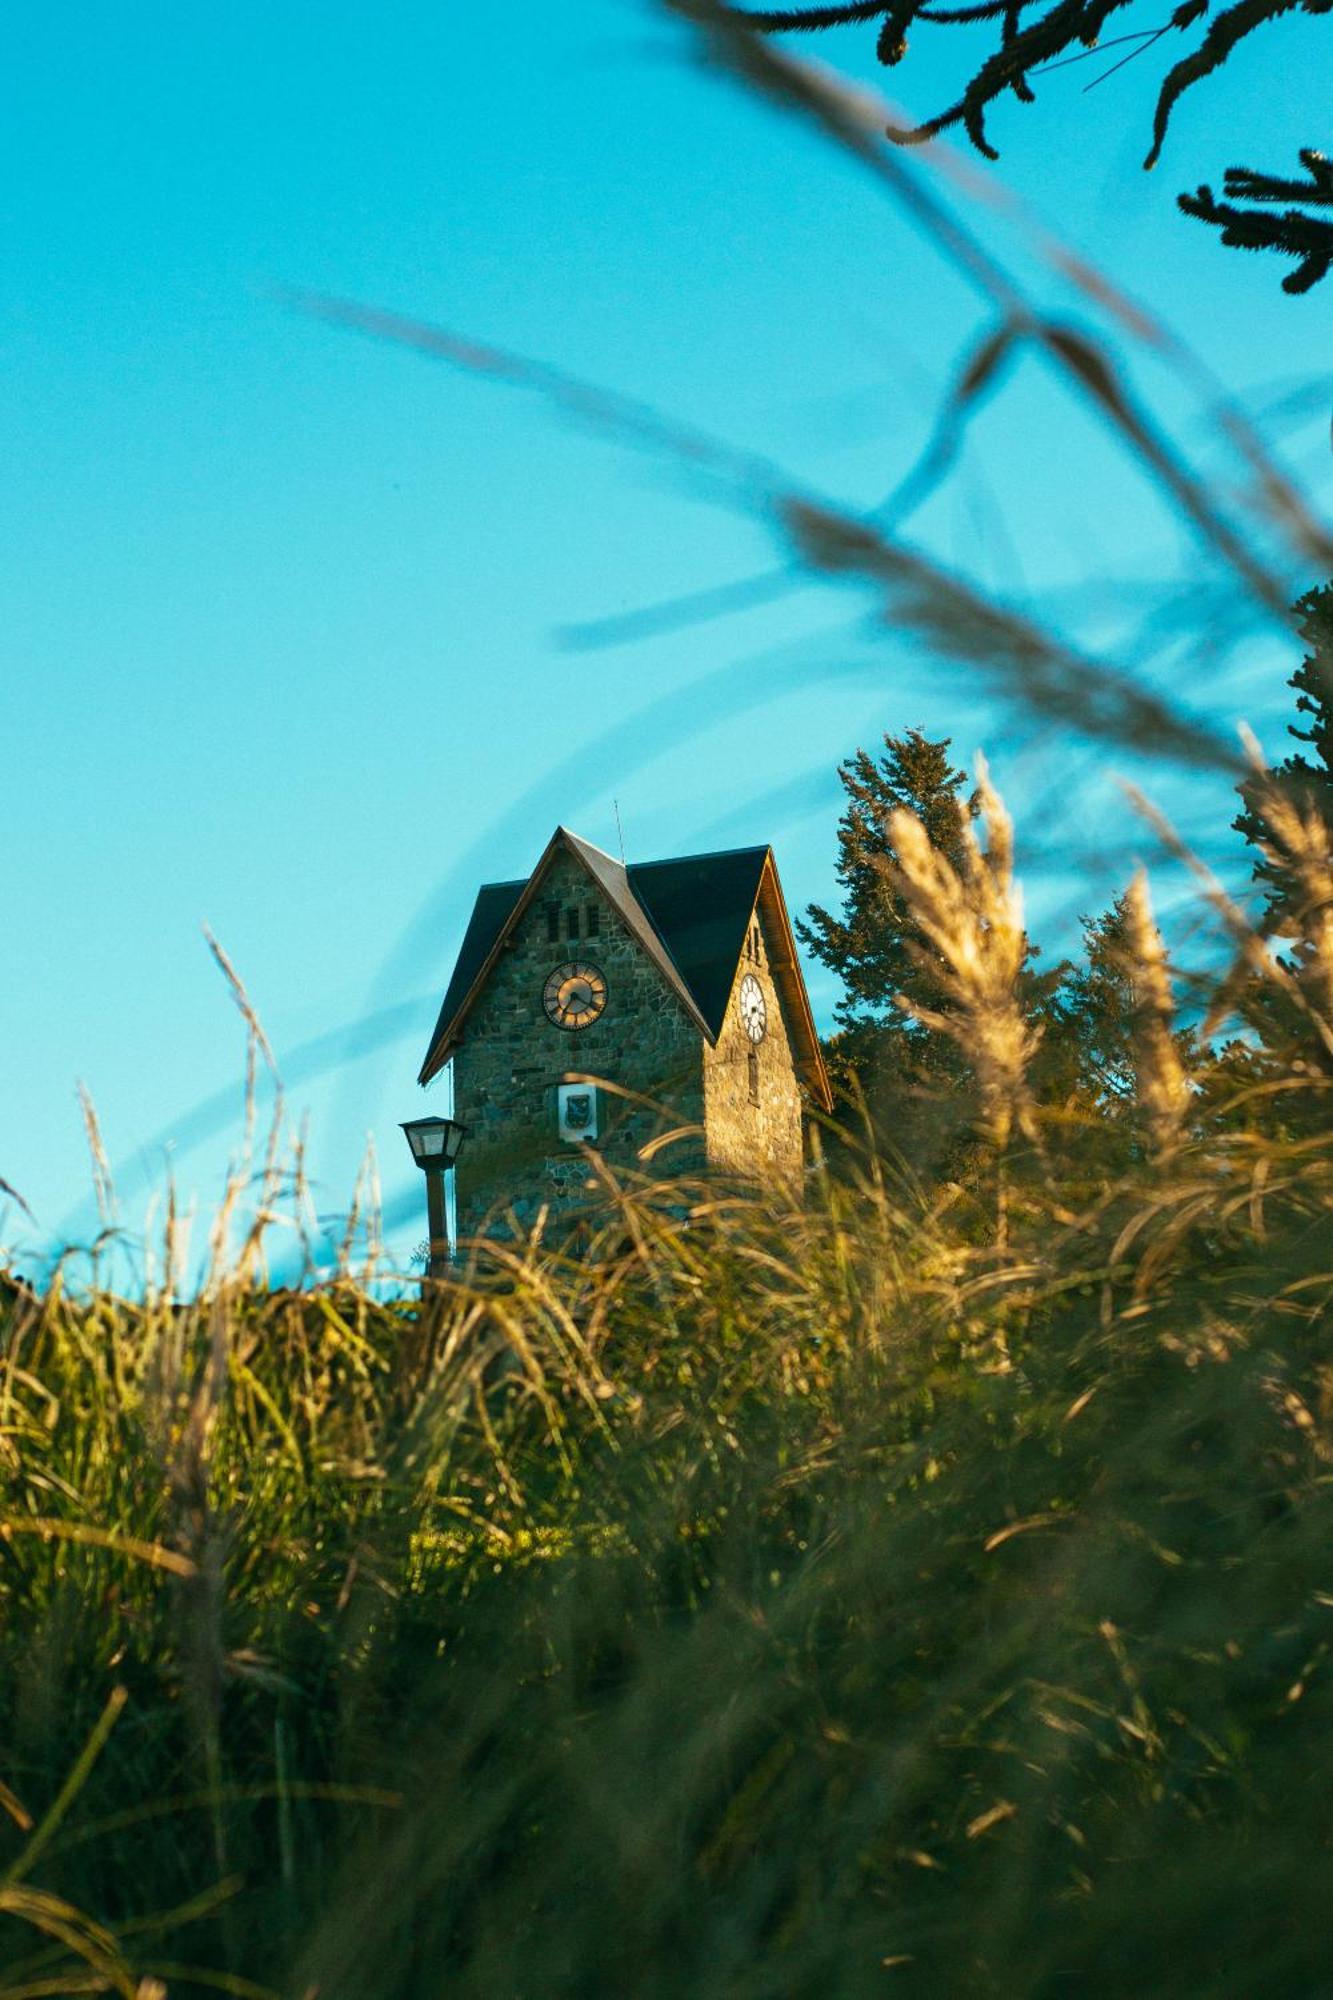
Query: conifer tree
1306	779
1118	1013
889	1053
1100	1004
1287	817
909	1077
871	944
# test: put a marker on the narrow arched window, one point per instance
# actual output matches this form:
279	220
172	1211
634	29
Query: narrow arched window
752	1071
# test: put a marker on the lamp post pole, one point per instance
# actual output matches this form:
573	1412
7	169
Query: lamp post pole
437	1223
435	1143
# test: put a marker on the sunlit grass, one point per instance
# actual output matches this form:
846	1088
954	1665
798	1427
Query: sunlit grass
759	1599
922	1588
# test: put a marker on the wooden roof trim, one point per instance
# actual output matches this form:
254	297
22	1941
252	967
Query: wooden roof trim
616	886
790	981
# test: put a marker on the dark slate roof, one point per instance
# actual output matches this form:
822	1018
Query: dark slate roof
490	913
699	907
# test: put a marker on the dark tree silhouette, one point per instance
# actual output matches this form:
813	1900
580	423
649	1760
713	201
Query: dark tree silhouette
1306	779
1294	862
1032	38
1307	237
885	1059
908	1075
872	944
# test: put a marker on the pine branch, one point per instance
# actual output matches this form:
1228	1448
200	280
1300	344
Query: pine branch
781	20
1026	44
1224	32
988	10
1244	184
1308	238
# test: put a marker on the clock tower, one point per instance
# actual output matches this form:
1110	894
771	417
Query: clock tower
651	1013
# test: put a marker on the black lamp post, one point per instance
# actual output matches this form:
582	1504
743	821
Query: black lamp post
435	1143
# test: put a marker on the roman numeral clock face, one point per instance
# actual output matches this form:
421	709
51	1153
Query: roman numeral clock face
754	1014
574	995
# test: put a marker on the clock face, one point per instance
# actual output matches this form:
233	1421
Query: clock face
754	1014
574	995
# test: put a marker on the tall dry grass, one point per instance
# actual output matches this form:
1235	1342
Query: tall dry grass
753	1598
756	1598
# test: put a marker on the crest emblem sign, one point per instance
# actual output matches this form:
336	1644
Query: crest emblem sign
577	1112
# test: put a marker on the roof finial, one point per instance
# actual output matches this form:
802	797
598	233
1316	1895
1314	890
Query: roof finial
620	834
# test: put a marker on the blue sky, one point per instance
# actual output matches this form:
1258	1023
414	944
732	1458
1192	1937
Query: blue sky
282	643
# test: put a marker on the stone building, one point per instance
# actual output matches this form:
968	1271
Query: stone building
598	1005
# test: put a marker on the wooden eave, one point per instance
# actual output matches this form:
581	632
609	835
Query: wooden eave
790	981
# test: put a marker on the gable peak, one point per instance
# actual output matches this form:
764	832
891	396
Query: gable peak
689	914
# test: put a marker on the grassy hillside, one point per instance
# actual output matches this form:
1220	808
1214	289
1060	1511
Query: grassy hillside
924	1591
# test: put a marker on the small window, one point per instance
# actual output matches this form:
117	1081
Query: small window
572	921
553	923
752	1070
594	917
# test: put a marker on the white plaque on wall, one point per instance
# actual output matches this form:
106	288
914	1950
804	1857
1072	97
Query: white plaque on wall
577	1112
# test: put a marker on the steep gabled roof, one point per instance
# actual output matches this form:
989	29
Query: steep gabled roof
495	904
689	916
701	906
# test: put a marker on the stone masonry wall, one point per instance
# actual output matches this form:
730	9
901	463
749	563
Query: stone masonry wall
511	1059
760	1139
